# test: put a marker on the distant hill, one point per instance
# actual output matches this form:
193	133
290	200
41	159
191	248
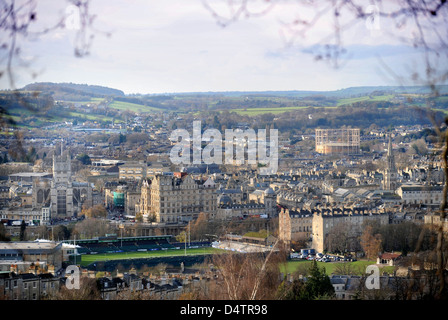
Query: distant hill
72	91
79	92
341	93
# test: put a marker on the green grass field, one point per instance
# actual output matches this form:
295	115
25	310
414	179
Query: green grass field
258	111
93	117
441	110
87	259
364	98
121	105
358	266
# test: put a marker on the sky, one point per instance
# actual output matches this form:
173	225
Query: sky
167	46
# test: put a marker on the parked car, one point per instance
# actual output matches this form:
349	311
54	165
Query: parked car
335	258
295	255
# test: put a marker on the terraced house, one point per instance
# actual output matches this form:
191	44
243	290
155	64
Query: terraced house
27	286
326	219
315	224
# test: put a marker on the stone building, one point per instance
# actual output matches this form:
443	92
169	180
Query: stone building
433	220
178	197
324	220
133	171
61	194
19	256
27	214
227	209
421	194
27	286
295	225
315	224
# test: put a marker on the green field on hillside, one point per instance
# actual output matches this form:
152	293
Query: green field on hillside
89	116
121	105
258	111
364	98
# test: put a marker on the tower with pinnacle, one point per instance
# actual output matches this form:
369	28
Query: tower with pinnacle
390	173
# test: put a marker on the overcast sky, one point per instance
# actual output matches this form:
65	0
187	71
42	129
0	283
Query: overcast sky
159	46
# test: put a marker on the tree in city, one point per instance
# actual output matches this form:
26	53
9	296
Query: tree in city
403	237
341	238
3	234
370	243
291	291
181	237
199	227
310	283
97	211
88	290
23	231
252	276
84	158
60	232
318	283
90	228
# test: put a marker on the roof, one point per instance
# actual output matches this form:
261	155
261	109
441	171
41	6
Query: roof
31	174
28	246
338	280
389	256
341	192
421	188
230	191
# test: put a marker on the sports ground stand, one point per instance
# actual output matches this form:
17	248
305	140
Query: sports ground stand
114	244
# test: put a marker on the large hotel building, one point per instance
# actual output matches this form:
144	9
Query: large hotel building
178	197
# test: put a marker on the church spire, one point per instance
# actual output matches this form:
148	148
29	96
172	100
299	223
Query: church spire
390	152
390	179
389	147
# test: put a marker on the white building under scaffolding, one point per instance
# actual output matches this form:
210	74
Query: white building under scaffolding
338	141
